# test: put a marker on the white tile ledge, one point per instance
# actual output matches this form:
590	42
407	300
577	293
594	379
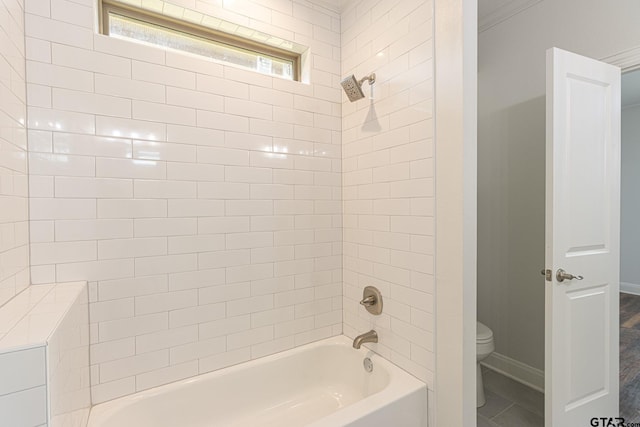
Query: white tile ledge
31	317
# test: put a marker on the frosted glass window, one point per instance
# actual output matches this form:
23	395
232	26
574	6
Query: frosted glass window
147	27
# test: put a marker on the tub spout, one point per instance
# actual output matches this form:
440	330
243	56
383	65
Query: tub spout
371	336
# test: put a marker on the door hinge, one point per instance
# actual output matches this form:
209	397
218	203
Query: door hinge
546	274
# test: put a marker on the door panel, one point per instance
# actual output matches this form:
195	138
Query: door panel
582	238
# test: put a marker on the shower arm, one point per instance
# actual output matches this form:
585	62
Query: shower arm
371	78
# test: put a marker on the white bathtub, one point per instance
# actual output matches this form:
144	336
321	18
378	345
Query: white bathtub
323	384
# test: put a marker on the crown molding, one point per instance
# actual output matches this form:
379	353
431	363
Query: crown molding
627	60
504	12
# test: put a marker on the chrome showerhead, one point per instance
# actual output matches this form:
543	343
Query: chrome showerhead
353	87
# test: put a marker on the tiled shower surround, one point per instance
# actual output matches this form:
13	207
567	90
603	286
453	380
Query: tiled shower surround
387	161
204	203
14	216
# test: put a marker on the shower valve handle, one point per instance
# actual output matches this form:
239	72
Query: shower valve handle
369	301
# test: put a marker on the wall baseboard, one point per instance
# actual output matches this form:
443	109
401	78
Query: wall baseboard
515	370
630	288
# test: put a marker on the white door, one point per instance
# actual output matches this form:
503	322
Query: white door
582	238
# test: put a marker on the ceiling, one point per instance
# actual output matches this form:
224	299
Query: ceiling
490	12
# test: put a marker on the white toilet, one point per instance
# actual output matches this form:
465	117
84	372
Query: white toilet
484	347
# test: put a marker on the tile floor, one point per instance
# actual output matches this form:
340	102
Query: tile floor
630	357
509	403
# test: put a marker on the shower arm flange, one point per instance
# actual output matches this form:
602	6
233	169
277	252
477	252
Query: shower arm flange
371	78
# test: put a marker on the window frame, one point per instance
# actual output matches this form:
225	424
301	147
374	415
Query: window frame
199	31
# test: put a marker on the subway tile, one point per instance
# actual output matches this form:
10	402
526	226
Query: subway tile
94	270
41	186
61	164
122	368
57	76
222	360
221	86
196	315
73	13
148	266
127	128
44	208
152	227
201	278
196	244
248	207
161	189
166	375
112	350
223	156
90	145
89	60
198	350
196	208
156	112
194	135
250	337
127	88
247	174
61	252
132	248
223	190
129	287
192	62
132	208
154	73
40	141
152	150
194	99
110	390
223	293
93	229
220	259
224	326
166	339
126	168
37	50
104	311
212	225
69	100
55	31
38	96
131	327
222	121
194	172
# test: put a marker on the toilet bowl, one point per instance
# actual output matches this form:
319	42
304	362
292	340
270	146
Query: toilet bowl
484	347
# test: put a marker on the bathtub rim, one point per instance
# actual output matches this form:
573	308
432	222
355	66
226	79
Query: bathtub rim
401	384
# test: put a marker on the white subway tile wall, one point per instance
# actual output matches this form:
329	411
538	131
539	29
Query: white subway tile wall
14	183
388	178
202	202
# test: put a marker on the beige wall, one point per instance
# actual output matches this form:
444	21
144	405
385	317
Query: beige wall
511	149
